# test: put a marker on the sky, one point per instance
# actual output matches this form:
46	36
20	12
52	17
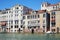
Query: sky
34	4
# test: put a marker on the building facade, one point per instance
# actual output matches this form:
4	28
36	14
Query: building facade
54	11
39	21
47	6
54	21
10	19
23	19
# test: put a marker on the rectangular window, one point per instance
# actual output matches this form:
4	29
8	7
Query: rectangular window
16	26
10	12
43	15
53	7
53	13
16	21
43	21
28	17
31	16
11	26
16	11
38	21
23	17
38	16
53	24
35	16
16	14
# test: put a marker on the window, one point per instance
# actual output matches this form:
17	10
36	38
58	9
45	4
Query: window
53	7
38	21
21	11
53	24
16	7
53	13
21	7
6	11
29	27
11	26
53	17
28	17
38	16
23	17
16	26
43	21
9	11
43	15
16	11
15	30
31	16
43	27
35	16
16	21
16	14
12	22
21	26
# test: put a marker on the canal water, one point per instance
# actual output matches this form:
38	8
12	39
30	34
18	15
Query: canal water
29	36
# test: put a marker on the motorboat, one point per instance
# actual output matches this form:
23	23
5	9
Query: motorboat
50	32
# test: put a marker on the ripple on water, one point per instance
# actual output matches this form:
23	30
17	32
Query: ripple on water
29	36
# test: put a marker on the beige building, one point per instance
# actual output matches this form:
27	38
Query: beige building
55	20
37	20
54	11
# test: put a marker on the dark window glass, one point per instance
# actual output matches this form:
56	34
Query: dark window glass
16	26
38	16
53	13
43	15
23	17
28	17
38	21
53	24
53	17
11	26
21	26
16	21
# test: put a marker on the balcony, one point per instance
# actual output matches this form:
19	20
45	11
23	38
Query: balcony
3	23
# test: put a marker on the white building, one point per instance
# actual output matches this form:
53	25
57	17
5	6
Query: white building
10	19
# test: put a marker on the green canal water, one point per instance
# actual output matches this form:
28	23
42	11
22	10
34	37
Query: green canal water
29	36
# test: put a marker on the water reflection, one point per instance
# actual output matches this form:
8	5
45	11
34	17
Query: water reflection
52	37
29	37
